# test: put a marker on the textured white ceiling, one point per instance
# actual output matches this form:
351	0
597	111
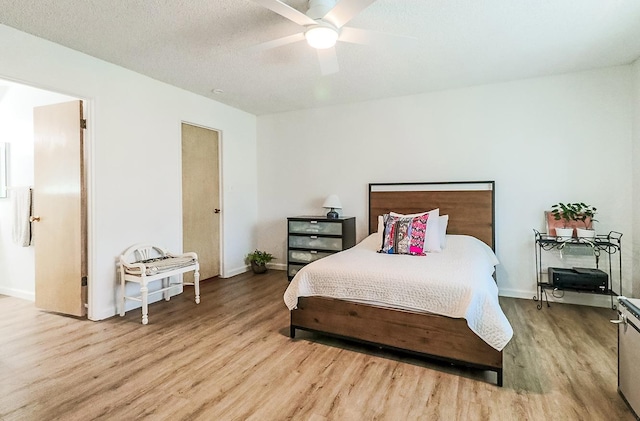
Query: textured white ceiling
200	45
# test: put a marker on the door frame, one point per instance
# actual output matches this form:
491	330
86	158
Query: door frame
220	189
89	165
89	156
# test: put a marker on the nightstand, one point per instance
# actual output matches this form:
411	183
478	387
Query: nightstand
310	238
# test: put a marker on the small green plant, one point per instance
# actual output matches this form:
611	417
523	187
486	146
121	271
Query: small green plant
573	212
260	257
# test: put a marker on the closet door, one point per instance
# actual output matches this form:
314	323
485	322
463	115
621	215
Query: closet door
201	198
59	209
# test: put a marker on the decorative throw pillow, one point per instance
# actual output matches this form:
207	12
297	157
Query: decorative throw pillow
432	241
404	235
442	225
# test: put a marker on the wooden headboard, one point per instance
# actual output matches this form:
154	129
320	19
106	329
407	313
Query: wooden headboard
469	204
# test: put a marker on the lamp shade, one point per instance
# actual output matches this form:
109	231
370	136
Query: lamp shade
332	202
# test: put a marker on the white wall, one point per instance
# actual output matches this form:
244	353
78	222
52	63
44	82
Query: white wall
636	179
134	144
543	140
17	277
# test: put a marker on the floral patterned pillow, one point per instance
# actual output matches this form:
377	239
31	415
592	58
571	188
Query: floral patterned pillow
404	235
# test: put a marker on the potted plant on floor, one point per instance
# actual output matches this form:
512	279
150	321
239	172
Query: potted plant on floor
258	260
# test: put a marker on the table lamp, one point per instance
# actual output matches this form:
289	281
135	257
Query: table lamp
332	202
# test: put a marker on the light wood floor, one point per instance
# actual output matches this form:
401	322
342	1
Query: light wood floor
230	358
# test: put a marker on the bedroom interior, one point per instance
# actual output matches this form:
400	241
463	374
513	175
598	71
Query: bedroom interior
291	136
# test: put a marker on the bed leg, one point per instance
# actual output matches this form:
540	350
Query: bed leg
292	331
499	373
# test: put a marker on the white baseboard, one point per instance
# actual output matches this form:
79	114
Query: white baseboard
235	271
516	293
18	293
102	315
247	268
569	297
277	266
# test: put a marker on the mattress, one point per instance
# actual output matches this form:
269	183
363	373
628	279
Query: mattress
456	282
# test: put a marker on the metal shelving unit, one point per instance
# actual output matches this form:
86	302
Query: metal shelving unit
609	244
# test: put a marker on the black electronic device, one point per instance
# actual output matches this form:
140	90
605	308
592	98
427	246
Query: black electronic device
584	279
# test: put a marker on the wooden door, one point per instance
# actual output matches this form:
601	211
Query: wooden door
201	198
59	209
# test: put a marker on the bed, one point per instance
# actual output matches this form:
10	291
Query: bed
448	337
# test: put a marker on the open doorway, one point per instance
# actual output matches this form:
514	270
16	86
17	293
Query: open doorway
17	103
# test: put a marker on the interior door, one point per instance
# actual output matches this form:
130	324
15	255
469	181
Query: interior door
201	198
59	209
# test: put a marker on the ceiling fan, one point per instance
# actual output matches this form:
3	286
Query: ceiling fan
322	25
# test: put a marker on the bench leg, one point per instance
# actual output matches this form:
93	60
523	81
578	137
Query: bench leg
144	291
165	284
122	283
196	284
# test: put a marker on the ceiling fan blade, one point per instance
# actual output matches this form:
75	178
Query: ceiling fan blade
362	36
346	10
289	39
328	61
286	11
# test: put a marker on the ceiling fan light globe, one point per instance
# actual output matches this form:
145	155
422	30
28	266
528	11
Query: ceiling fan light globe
321	37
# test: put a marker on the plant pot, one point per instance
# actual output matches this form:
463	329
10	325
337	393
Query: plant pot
564	233
258	268
585	233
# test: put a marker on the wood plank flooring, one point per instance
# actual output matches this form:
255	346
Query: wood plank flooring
230	358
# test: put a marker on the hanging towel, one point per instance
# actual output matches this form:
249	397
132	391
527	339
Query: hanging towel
21	213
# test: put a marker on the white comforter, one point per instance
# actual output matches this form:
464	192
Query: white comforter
456	283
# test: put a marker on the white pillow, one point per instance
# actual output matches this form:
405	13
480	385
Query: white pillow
432	238
381	224
443	221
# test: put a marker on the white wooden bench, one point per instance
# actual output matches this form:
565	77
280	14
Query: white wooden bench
145	263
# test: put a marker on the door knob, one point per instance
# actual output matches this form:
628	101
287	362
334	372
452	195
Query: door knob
34	219
216	211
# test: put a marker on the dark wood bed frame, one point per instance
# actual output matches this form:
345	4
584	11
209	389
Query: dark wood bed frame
471	209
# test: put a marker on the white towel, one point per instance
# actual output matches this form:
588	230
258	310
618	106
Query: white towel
21	213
